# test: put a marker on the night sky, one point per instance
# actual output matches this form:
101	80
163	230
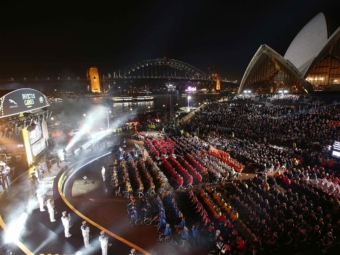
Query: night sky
46	39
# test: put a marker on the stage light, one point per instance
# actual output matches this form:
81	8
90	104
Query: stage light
15	228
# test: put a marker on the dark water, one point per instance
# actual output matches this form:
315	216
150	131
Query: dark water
163	102
73	110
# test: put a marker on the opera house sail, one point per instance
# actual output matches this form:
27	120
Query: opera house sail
311	62
315	52
269	72
308	43
324	72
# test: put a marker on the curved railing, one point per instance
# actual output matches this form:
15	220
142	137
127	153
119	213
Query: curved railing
58	193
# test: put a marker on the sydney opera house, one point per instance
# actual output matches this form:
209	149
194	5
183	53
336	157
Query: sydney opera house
311	62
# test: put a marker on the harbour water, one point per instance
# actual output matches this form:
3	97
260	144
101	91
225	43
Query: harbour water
71	110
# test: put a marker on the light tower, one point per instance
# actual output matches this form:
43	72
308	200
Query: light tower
171	90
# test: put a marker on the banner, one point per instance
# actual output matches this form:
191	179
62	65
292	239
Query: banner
22	100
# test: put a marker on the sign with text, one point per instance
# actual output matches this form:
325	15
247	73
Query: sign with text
22	100
336	149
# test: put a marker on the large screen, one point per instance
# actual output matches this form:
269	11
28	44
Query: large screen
36	134
38	147
336	149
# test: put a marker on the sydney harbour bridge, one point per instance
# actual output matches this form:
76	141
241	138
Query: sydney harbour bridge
152	69
160	69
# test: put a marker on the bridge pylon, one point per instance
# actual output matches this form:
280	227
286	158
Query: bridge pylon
216	77
93	76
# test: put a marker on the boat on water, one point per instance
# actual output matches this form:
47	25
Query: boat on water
145	91
145	98
204	91
131	99
191	90
55	100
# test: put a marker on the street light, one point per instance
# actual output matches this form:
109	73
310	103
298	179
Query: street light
108	119
84	114
188	103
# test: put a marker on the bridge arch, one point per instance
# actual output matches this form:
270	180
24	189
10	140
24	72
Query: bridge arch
161	68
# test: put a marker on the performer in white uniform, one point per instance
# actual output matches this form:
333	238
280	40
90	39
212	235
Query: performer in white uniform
50	209
66	222
85	230
133	252
41	201
104	242
103	173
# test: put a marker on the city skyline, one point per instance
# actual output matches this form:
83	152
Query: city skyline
48	41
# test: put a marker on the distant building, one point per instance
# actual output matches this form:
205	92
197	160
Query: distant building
311	62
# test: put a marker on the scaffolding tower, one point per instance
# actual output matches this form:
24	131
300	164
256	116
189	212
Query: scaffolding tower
171	90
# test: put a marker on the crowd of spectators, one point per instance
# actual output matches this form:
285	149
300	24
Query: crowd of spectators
293	219
298	210
279	124
274	98
293	211
246	97
284	97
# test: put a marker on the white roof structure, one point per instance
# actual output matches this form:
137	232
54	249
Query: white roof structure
308	48
308	43
335	36
260	55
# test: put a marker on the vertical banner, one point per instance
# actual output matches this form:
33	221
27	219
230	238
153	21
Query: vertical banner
27	144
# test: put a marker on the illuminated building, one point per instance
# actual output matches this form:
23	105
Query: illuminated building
269	72
311	62
93	75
